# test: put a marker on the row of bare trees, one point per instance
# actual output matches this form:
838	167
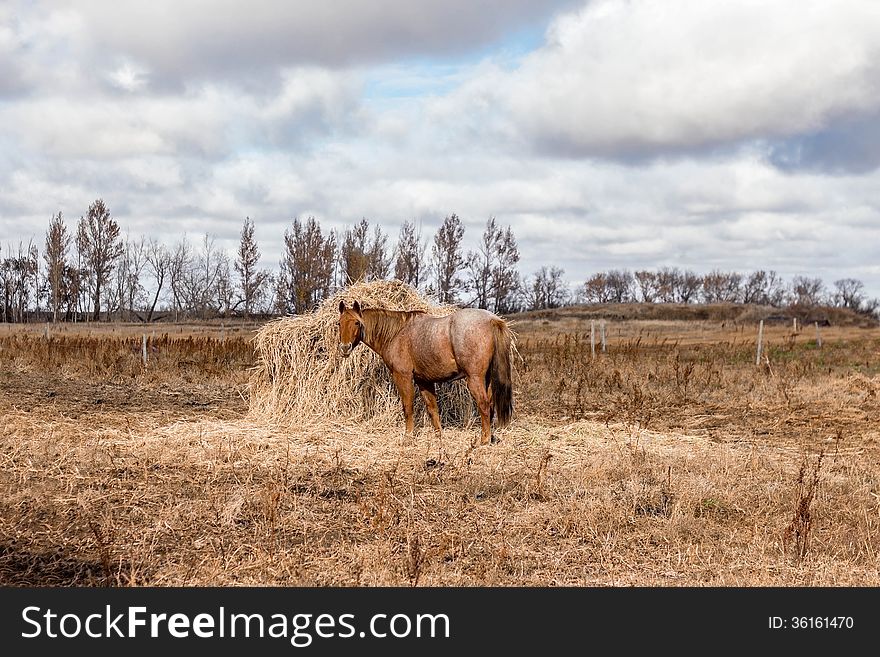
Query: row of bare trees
94	271
315	262
762	287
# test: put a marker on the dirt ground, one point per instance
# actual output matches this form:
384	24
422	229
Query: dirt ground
662	462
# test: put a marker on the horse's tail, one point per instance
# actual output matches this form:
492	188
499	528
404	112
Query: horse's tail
499	372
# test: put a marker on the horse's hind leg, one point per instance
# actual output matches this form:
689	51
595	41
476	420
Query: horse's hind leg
429	394
481	396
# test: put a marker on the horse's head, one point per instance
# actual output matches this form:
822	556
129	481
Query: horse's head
351	328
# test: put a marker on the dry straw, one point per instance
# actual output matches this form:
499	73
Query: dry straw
301	378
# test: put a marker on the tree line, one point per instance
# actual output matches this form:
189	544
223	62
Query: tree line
91	271
760	287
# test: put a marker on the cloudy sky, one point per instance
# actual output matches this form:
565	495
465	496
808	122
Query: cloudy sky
734	134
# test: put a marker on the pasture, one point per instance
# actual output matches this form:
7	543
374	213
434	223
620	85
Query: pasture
670	459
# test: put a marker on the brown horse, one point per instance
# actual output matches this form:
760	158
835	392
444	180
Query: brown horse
469	344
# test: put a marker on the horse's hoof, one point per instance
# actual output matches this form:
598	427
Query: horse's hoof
494	439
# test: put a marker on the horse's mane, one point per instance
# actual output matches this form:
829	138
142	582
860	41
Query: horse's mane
382	325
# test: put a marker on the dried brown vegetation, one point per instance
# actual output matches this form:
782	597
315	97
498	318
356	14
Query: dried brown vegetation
670	459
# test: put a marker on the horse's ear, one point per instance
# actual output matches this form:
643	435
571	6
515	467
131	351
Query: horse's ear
357	307
342	306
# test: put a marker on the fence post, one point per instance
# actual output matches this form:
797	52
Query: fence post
592	338
818	336
602	333
144	349
760	342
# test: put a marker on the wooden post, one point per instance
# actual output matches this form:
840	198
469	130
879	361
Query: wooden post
602	333
592	338
794	324
818	336
760	342
144	349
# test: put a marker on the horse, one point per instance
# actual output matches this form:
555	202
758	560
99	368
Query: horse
470	344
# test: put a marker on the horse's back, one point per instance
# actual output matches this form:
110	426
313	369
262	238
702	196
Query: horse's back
450	346
466	320
472	336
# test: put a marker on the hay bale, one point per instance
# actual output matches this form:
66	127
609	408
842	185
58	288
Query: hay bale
302	378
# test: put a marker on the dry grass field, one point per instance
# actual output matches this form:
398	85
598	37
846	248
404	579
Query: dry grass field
671	459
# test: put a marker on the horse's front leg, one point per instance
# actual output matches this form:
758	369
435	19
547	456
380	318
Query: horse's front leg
404	383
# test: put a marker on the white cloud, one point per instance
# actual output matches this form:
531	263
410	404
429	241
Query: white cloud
128	77
212	122
229	38
40	47
635	77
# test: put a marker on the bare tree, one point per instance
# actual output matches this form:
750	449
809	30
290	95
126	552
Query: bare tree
180	262
721	287
595	289
480	264
57	246
807	291
848	293
98	241
647	283
158	261
409	262
252	281
17	274
353	258
764	288
620	285
306	276
505	276
71	286
448	261
129	290
199	280
668	280
362	257
267	304
38	288
6	289
689	285
871	307
208	280
492	269
224	290
547	289
81	283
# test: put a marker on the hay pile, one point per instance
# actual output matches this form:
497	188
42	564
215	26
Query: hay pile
302	378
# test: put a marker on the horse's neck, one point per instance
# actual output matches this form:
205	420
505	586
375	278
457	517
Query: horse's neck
380	327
